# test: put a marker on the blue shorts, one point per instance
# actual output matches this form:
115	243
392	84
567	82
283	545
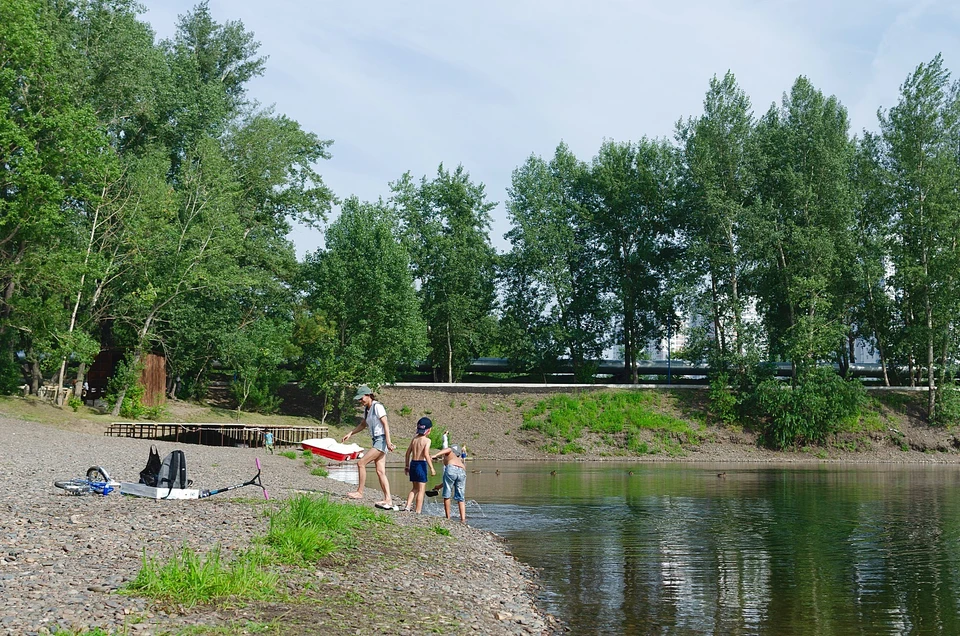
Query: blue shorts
380	443
454	479
418	471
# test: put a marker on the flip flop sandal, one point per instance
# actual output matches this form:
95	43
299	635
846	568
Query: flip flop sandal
385	506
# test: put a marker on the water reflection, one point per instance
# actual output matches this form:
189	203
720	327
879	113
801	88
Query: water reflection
758	550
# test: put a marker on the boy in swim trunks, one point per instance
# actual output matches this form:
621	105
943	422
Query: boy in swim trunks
417	461
454	480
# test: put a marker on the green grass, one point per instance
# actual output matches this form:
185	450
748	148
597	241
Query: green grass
443	532
306	528
319	471
632	415
288	454
189	579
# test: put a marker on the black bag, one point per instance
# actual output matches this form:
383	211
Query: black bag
151	472
173	471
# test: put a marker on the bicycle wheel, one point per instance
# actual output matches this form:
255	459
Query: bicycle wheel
96	473
74	486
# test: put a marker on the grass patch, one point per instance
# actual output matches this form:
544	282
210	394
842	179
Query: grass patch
306	528
443	532
189	578
288	454
319	471
630	415
404	411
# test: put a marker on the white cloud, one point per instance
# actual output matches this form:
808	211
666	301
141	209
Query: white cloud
406	86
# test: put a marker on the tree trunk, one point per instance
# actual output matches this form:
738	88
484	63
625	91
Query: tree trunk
449	354
36	379
81	378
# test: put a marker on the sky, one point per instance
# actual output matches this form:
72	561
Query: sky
406	86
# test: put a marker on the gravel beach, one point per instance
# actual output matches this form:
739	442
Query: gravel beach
63	558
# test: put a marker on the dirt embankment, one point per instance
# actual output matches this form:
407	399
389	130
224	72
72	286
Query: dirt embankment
490	423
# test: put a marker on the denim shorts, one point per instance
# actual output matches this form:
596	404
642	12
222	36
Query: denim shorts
380	443
454	479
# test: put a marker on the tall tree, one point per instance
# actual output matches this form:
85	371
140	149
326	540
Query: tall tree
802	221
921	135
362	321
717	190
447	223
632	187
553	239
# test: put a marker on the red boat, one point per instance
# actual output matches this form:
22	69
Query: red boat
332	449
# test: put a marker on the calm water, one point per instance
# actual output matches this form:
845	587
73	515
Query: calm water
677	549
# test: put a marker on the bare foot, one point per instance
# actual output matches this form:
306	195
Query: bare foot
354	495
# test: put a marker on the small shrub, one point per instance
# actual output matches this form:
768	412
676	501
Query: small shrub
75	403
288	454
405	411
443	532
319	471
155	413
947	411
723	400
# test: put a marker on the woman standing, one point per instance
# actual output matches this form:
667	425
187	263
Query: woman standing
375	419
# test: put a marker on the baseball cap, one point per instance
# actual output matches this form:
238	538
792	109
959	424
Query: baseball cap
423	425
362	390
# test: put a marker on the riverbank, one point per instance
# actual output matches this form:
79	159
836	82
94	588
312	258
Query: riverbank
891	429
64	559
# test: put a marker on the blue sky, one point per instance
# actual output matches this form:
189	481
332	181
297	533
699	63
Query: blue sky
404	86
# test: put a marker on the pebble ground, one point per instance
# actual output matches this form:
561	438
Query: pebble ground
64	559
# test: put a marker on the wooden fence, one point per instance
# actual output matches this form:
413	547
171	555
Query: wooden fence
215	433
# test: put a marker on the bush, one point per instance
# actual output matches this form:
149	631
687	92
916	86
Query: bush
723	399
75	403
806	412
947	412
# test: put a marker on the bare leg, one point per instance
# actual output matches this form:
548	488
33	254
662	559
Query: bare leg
362	473
446	507
381	465
419	488
409	505
463	511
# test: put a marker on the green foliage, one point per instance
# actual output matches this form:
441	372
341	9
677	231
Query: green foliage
723	400
564	419
288	454
361	321
256	353
446	228
443	532
74	403
806	412
189	578
405	411
319	471
125	381
307	528
947	413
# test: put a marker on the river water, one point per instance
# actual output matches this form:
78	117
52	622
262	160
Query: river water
731	548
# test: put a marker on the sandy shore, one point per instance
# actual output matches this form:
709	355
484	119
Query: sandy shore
64	558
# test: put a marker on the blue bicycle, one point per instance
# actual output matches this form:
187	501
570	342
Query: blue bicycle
97	482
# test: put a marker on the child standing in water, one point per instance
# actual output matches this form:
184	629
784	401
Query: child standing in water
417	460
454	480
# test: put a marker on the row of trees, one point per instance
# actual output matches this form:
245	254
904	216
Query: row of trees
145	203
